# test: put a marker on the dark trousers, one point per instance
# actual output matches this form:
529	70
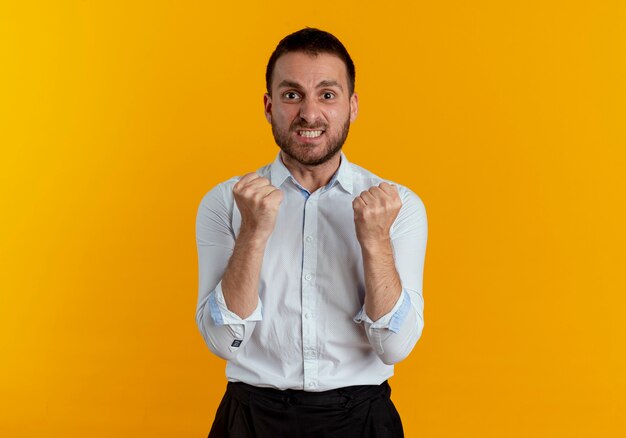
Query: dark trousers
363	411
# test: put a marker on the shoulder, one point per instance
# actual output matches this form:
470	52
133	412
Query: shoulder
220	194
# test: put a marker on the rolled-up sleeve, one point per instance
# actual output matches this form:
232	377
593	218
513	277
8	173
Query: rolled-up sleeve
224	332
394	335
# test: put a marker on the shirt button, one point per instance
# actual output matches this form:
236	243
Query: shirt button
308	277
309	239
307	315
311	384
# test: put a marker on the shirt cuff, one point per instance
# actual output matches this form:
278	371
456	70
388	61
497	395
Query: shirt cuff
392	320
222	316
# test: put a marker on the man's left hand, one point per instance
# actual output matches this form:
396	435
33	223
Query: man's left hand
375	210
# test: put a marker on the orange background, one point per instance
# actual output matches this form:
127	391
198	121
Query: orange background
507	118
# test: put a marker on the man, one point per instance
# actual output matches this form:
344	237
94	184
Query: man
311	267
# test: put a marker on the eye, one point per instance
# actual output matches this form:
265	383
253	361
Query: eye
328	95
291	95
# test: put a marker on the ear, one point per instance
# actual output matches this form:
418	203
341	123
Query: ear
267	103
354	107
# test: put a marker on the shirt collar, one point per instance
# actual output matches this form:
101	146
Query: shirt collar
344	175
279	173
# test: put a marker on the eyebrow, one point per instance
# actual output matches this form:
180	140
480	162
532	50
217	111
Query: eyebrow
330	84
326	83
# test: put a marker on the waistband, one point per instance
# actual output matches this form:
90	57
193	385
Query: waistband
341	397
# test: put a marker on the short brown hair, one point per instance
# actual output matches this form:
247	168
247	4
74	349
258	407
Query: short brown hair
312	41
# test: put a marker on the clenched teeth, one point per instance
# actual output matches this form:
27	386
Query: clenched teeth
310	134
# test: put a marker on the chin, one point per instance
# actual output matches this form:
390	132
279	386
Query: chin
312	159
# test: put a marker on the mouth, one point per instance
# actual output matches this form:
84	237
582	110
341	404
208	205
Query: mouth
310	133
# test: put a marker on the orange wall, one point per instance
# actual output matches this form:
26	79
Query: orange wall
507	118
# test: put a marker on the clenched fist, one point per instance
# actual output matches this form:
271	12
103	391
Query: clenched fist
259	202
374	212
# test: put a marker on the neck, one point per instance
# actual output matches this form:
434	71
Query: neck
312	177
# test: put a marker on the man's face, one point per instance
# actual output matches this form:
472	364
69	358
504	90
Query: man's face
310	108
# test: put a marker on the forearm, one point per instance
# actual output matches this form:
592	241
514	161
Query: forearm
225	332
240	283
382	282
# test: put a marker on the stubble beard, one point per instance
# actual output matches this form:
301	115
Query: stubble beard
288	145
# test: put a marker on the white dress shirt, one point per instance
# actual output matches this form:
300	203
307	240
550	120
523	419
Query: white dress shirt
309	330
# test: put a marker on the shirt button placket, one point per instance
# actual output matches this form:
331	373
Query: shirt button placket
309	293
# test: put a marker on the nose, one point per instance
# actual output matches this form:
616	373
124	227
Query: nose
309	111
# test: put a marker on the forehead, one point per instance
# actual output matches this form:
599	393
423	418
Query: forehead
308	69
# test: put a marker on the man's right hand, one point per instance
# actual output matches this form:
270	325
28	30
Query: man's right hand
258	202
